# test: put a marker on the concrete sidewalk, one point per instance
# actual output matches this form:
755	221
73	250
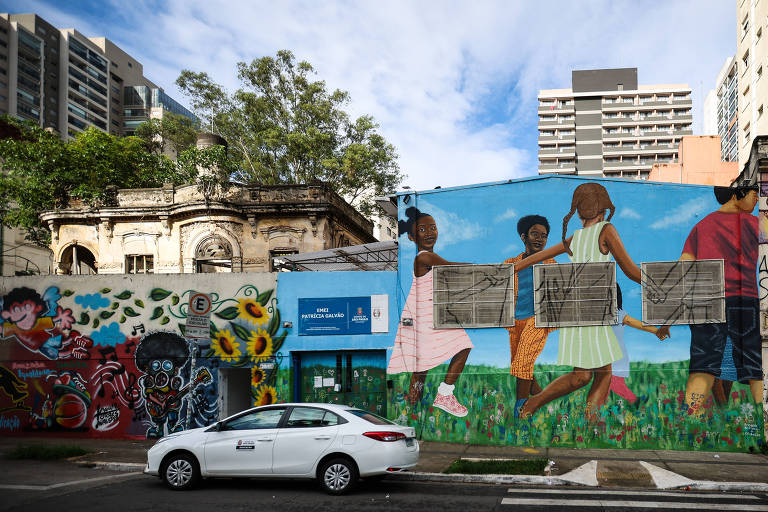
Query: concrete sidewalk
609	468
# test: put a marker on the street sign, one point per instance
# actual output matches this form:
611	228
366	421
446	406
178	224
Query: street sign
198	323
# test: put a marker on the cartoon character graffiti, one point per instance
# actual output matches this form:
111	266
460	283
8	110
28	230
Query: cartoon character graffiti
66	406
161	356
40	325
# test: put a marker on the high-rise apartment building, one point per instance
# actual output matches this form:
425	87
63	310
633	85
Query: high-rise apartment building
608	125
752	57
727	110
63	80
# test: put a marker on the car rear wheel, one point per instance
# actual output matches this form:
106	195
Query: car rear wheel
338	476
181	472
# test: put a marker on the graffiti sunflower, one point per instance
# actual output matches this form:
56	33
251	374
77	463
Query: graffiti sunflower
266	395
225	346
252	311
259	344
257	376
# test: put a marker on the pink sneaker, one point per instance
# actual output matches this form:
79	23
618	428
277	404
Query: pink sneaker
449	404
619	387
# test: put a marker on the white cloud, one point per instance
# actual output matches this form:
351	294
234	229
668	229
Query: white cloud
452	84
682	215
509	214
451	227
629	213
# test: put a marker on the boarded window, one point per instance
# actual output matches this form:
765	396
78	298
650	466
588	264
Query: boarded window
473	296
683	292
574	294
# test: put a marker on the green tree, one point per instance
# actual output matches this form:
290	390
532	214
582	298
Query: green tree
174	131
284	127
42	172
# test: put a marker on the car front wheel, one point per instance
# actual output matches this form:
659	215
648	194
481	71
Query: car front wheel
338	476
181	472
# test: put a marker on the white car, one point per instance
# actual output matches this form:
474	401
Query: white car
335	444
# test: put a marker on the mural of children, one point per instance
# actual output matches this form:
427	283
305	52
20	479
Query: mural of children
589	349
730	234
526	341
420	347
620	368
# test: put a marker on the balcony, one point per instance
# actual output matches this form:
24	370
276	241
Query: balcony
686	101
570	123
555	152
680	133
560	109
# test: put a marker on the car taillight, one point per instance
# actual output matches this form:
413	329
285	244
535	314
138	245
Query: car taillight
387	437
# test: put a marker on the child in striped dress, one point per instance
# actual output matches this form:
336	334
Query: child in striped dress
420	347
589	349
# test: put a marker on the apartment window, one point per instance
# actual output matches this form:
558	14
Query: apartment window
612	144
547	133
759	111
609	131
619	87
139	264
611	115
547	119
612	159
130	65
759	72
745	26
745	60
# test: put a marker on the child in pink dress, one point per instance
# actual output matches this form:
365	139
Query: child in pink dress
420	347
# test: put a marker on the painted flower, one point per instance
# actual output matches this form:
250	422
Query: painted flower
259	344
225	346
252	311
266	395
747	409
257	376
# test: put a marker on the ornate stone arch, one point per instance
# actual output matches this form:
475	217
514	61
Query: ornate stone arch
203	240
84	252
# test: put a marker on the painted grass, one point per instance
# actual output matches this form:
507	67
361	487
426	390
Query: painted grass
45	451
498	467
656	421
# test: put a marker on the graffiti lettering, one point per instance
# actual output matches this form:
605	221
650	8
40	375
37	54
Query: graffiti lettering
9	422
33	374
27	365
106	418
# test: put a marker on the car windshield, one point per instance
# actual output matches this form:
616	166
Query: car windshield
369	416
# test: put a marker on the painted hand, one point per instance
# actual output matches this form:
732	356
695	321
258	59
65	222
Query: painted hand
63	318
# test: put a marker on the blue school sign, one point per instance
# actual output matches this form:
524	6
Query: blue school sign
336	315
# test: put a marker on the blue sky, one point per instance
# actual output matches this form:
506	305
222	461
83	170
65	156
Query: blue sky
479	225
453	84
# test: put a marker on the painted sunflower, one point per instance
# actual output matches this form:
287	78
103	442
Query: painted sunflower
225	346
266	395
252	311
257	376
259	344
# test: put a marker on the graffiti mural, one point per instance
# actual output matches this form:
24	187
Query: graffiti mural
584	385
106	355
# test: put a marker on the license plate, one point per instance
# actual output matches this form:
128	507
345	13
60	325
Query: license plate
409	441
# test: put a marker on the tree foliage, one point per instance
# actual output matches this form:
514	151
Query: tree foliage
42	172
173	132
284	127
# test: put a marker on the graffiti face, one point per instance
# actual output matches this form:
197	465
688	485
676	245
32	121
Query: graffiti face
748	202
23	315
535	239
424	233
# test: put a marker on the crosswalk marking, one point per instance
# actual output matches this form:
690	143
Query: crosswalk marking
745	507
589	492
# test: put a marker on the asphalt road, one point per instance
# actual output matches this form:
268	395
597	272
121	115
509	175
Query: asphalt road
106	491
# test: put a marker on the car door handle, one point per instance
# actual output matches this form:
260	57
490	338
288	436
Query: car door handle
323	438
265	439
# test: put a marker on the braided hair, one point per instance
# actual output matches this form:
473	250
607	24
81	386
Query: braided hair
406	226
590	200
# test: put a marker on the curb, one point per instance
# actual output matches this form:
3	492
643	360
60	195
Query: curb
112	466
